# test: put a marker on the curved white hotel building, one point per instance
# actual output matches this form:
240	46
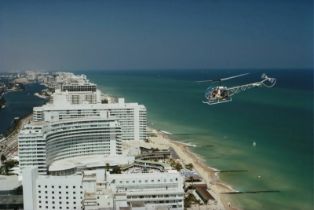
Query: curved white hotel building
42	144
131	116
75	123
84	100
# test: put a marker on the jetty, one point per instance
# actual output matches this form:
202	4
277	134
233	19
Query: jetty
251	192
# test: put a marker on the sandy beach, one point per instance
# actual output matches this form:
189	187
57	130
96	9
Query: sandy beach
210	175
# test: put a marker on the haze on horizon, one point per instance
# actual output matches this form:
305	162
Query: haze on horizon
139	34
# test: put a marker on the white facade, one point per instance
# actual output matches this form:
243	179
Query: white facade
76	97
51	192
154	190
131	116
95	190
40	144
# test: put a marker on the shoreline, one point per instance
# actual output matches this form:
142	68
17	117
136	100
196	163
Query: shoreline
210	175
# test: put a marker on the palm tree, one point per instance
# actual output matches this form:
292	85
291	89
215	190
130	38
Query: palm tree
3	158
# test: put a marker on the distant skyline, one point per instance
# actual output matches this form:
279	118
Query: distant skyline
98	34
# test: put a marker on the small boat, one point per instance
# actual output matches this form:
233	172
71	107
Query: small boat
254	144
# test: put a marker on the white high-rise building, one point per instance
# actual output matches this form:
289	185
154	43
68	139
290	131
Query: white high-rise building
42	143
76	97
131	116
96	190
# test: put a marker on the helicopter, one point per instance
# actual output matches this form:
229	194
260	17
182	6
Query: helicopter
222	94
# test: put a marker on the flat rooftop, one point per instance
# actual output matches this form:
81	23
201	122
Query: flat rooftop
90	161
8	183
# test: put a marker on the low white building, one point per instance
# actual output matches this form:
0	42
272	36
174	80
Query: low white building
51	192
96	190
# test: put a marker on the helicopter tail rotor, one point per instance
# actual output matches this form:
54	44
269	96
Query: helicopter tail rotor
268	81
222	79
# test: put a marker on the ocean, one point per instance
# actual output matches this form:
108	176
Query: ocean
279	120
19	104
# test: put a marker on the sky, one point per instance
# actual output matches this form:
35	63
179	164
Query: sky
160	34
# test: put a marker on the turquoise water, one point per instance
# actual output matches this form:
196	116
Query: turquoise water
279	120
19	104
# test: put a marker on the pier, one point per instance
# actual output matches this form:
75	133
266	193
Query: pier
252	192
231	171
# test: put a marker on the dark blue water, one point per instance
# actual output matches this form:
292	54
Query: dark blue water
19	104
279	120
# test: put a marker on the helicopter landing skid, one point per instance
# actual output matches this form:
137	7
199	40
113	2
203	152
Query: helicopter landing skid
217	101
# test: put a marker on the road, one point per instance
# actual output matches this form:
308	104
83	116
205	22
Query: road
9	145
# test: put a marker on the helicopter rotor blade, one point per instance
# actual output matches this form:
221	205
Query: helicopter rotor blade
227	78
222	79
210	80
